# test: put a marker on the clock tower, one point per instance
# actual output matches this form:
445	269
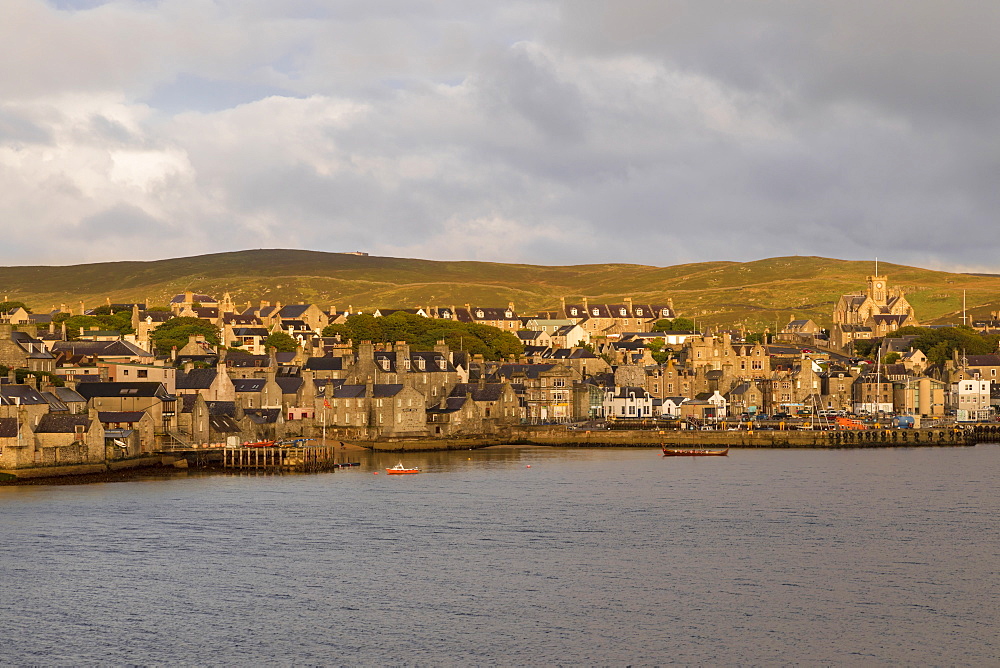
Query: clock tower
877	289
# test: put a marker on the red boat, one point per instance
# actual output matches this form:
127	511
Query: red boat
399	469
258	444
694	452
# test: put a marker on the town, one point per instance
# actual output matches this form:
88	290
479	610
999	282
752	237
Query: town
204	371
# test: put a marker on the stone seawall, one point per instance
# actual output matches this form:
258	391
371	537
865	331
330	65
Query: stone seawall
556	435
84	469
743	439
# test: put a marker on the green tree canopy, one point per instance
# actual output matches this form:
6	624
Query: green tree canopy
424	333
675	325
10	306
121	322
175	332
283	342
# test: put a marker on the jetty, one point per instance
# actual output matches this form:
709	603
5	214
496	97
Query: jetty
301	458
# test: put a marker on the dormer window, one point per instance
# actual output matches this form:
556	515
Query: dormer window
665	313
596	311
638	311
572	311
509	314
385	365
442	364
621	311
480	314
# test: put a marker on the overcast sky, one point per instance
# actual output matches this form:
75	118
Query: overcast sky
654	132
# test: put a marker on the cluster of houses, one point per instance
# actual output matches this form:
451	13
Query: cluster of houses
102	395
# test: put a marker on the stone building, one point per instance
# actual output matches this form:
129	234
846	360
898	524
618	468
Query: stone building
872	313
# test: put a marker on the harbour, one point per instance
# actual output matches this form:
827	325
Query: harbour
767	556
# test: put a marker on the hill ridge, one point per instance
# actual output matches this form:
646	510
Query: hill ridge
757	293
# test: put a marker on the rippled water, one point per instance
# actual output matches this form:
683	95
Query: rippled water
587	557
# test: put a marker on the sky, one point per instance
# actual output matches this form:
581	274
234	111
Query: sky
550	132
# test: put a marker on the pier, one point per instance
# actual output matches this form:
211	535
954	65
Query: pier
303	458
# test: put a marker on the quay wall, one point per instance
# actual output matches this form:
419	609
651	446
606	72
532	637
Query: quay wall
557	435
83	469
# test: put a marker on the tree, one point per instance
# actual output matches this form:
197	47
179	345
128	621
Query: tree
284	343
10	306
891	358
675	325
176	332
424	333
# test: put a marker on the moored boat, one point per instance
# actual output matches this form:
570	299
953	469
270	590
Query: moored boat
257	444
399	469
694	452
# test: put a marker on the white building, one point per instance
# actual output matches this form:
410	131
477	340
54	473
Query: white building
971	399
628	402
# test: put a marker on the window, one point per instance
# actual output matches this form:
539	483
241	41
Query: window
638	311
622	312
142	373
572	311
596	311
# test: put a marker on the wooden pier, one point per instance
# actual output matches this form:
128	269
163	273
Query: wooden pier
304	458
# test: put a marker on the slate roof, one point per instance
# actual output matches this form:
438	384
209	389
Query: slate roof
489	391
67	395
61	424
453	404
23	395
100	348
196	379
55	405
529	370
626	392
249	384
383	390
263	415
348	392
156	316
241	319
289	384
221	407
134	389
293	311
251	331
982	360
223	424
325	363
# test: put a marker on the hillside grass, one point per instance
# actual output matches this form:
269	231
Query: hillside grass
753	294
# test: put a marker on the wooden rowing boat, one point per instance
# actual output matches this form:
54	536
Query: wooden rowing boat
694	452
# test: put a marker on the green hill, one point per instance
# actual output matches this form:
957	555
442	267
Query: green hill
757	294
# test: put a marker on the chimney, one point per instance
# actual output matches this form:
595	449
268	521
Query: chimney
628	304
585	305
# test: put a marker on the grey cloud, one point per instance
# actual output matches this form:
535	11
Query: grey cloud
558	132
